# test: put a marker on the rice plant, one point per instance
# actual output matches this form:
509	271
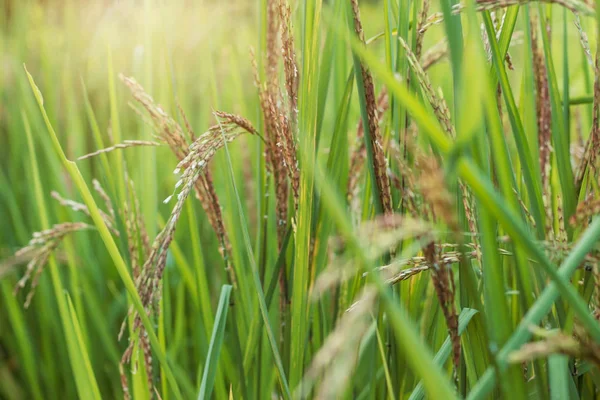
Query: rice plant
314	199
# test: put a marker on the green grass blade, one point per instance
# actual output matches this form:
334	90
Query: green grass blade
17	322
303	234
216	340
558	366
94	391
443	353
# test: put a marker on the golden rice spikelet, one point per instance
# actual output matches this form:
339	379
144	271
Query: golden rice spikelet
379	161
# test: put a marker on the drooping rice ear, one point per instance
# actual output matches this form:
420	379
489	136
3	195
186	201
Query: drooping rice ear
443	282
41	246
126	144
169	131
188	127
440	108
289	60
379	160
107	201
192	168
359	154
334	362
79	207
274	154
238	120
420	33
432	185
585	210
434	54
543	106
576	6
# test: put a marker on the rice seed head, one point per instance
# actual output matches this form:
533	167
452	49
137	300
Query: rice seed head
596	296
166	127
432	184
585	210
102	193
147	350
420	24
31	267
56	232
124	382
285	144
236	120
194	170
126	144
543	106
280	154
406	274
197	154
576	6
440	108
359	153
131	242
144	346
39	249
190	131
272	49
433	188
406	183
583	39
335	360
578	345
377	237
109	220
379	160
132	229
434	54
556	343
578	145
282	159
443	282
357	161
471	219
289	59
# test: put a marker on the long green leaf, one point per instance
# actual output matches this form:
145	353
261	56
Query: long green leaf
214	348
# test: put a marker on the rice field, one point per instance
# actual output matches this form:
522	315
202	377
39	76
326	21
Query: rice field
281	199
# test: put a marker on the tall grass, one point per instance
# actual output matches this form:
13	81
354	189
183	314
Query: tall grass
318	199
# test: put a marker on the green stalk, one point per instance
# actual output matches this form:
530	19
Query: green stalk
216	341
306	125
